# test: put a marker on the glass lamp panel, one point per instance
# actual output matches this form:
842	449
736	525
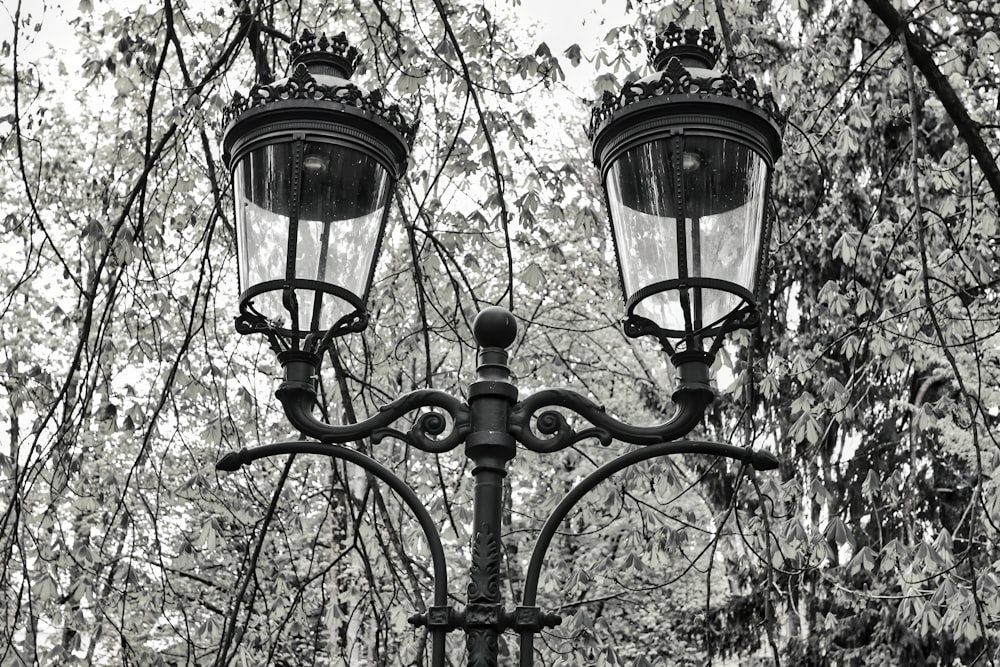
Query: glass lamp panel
262	186
730	238
343	205
641	195
724	188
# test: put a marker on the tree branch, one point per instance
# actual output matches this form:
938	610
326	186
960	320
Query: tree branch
968	129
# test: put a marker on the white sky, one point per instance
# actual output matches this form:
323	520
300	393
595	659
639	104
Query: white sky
565	22
558	23
562	23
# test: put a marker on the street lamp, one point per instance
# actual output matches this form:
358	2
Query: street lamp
685	158
314	162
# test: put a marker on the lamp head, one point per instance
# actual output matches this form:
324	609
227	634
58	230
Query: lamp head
314	161
685	157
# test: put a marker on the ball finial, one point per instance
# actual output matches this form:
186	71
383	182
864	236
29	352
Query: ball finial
494	327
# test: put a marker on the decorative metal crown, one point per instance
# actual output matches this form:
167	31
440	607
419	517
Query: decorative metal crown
674	38
302	85
676	79
337	49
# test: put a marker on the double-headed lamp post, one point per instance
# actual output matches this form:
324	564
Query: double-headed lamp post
685	157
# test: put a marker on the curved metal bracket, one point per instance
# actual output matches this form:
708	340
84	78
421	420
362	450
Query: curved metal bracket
298	395
759	460
234	460
691	401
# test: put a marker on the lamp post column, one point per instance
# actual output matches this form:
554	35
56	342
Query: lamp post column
489	446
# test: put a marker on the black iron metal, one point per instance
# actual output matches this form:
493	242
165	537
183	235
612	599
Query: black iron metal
674	57
298	397
335	52
489	445
686	98
692	396
334	57
691	46
314	104
317	103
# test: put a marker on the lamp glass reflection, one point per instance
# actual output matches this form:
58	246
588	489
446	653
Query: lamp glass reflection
724	184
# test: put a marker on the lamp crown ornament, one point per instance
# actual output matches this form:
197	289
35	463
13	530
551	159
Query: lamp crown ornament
319	69
336	52
691	46
685	62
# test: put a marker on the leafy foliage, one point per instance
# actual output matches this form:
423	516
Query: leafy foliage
875	377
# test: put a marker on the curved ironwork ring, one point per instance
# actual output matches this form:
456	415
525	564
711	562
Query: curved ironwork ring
758	459
235	460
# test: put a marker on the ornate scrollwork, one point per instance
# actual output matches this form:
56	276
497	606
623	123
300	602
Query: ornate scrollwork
483	614
337	47
301	85
297	396
554	424
674	35
250	321
483	646
428	426
678	80
484	575
673	52
691	403
423	434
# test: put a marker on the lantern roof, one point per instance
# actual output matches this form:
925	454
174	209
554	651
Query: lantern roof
686	60
319	69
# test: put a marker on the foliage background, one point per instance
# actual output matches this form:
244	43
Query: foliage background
875	378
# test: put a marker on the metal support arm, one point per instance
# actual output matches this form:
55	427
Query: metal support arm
490	425
691	405
693	395
235	460
757	459
298	396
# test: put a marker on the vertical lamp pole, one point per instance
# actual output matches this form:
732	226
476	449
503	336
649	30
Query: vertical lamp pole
685	157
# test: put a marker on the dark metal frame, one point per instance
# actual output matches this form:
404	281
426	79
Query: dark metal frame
492	421
490	424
